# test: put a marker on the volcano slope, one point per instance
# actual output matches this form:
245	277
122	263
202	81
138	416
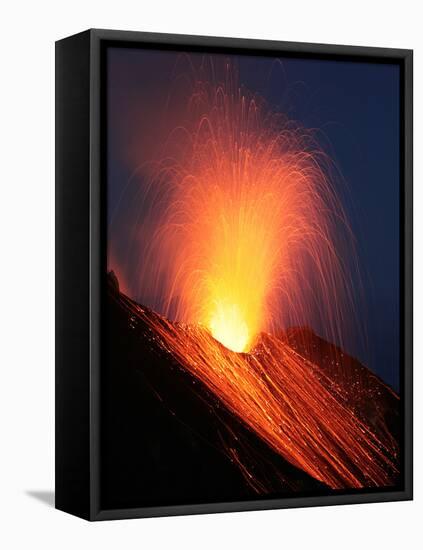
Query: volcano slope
184	420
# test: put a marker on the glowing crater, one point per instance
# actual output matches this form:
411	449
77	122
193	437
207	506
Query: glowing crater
228	326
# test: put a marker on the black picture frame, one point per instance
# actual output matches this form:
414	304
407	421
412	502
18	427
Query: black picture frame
80	269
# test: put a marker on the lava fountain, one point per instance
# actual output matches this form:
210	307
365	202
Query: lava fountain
243	229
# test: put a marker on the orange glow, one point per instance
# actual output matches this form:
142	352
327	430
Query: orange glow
227	325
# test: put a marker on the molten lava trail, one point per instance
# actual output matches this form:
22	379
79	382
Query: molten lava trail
277	394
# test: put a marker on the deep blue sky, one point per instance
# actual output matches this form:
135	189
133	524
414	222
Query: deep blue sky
356	108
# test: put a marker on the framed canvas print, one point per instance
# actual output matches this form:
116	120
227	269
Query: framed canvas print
233	274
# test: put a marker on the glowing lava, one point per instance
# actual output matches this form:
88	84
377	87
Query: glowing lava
228	326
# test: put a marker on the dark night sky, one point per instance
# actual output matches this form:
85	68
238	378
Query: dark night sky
355	106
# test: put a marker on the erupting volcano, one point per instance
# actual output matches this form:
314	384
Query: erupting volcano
241	236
